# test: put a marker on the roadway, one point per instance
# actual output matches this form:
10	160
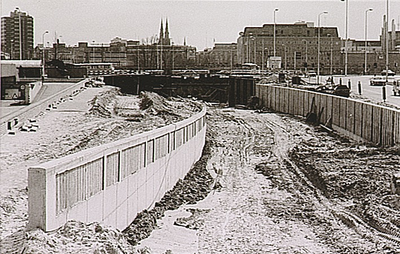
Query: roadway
373	93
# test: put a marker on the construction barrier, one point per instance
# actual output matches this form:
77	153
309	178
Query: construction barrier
112	183
357	119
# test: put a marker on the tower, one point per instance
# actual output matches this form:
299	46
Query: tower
17	35
161	36
167	39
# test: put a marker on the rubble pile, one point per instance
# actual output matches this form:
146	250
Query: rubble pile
91	238
194	187
194	221
103	105
169	110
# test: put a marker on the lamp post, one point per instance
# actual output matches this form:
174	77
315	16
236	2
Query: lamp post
306	54
346	39
255	48
387	40
331	72
93	52
284	46
276	9
366	35
319	43
262	56
43	61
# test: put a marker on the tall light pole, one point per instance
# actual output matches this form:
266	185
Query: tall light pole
346	39
366	38
387	40
93	52
285	55
319	43
276	9
255	48
331	54
306	54
43	61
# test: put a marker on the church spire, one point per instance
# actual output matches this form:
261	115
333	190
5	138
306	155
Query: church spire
167	39
161	37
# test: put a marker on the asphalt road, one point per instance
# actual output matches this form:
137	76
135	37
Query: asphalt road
374	93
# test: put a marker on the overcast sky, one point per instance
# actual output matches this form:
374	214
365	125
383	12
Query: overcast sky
201	22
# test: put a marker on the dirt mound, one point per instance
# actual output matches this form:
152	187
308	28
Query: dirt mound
170	110
103	104
92	238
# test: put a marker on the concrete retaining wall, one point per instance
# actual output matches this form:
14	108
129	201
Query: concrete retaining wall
113	182
34	88
374	123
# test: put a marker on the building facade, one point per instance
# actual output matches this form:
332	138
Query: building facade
150	54
296	44
221	56
17	35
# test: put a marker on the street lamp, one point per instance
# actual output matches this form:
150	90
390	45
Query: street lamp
346	39
284	46
276	9
255	48
329	35
43	61
387	40
306	54
93	52
319	43
366	35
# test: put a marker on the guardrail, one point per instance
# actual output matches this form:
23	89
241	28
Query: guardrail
377	124
113	182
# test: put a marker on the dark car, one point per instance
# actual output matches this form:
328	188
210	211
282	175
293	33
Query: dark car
342	90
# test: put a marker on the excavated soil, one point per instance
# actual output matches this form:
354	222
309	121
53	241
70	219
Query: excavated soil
267	183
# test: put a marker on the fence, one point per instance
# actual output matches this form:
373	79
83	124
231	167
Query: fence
113	182
377	124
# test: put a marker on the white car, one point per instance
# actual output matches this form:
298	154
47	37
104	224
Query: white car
380	81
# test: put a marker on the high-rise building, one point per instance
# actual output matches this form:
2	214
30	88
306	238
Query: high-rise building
17	35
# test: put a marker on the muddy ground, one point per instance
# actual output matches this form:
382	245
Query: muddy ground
268	183
287	187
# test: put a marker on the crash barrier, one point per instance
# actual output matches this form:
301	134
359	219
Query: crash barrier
377	124
112	183
32	110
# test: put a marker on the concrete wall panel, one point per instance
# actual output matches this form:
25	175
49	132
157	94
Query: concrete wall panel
396	128
125	192
358	119
373	123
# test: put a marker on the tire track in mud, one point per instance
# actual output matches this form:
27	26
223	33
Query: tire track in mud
282	148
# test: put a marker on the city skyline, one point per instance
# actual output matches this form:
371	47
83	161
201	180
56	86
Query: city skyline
202	23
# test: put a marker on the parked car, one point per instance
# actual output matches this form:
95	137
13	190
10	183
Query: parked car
396	87
380	81
377	81
390	73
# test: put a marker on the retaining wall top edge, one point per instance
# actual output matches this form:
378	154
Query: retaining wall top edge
334	96
81	157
